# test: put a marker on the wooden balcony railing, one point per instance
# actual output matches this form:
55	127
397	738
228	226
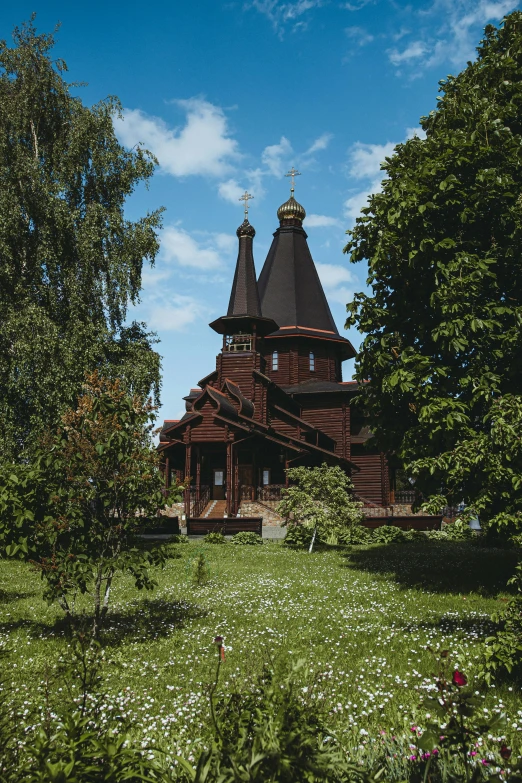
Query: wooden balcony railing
270	492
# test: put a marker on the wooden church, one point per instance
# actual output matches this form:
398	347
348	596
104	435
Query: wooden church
277	398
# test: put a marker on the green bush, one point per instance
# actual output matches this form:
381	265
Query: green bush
298	536
456	531
388	534
215	537
356	535
270	735
413	535
246	537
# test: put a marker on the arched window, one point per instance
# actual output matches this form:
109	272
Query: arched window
312	362
275	361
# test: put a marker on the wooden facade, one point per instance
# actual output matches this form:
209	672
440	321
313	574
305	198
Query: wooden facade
276	398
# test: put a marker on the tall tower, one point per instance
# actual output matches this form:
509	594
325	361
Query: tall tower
244	326
307	346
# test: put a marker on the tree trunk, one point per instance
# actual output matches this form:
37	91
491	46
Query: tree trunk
312	542
97	603
105	606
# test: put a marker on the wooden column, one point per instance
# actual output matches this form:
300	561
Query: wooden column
188	460
229	483
235	459
167	473
198	473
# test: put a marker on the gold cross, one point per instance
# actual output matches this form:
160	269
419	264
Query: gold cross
293	173
246	197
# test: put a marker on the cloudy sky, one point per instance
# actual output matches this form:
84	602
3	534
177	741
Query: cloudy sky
229	94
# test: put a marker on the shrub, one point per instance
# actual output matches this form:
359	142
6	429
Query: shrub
503	651
246	537
269	734
413	535
456	531
215	537
388	534
298	536
356	535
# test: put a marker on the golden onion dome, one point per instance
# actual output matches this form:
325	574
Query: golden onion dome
291	209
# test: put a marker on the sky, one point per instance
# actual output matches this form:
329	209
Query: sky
230	95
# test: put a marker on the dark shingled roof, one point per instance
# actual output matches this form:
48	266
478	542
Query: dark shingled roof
244	299
289	286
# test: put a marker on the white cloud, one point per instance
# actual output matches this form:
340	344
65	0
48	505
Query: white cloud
359	200
453	31
321	221
202	146
178	246
357	5
364	163
283	13
275	157
176	314
413	51
331	275
231	190
359	35
341	295
365	159
419	132
320	144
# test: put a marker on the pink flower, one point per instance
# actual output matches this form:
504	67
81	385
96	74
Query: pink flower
459	679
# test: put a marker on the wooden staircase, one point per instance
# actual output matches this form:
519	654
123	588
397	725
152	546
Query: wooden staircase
215	509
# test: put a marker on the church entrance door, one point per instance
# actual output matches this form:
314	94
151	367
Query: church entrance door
218	484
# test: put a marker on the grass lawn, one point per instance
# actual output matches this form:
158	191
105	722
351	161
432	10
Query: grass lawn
361	618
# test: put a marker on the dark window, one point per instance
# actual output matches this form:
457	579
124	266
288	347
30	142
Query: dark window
275	361
312	362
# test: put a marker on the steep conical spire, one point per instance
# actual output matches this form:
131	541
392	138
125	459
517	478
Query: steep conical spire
289	286
244	298
244	308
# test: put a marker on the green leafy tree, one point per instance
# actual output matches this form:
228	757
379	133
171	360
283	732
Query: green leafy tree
320	499
443	241
70	262
75	512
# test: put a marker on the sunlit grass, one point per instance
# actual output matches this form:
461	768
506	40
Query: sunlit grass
362	620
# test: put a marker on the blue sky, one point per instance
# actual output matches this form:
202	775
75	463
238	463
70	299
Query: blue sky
229	95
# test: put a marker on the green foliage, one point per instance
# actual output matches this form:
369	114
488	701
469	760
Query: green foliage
246	537
387	534
80	752
456	724
320	499
75	744
70	261
270	735
199	570
75	511
298	536
503	651
456	531
215	537
487	466
356	535
443	321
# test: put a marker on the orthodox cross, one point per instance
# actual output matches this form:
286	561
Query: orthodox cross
246	197
293	173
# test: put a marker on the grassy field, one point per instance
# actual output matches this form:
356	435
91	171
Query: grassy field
362	620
